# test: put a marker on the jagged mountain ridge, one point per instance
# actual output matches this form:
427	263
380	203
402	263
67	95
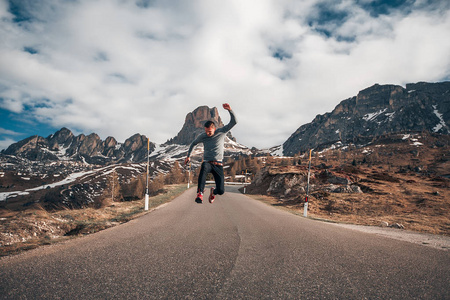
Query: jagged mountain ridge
64	145
376	111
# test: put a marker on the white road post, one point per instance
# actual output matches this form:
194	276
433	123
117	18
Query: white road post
305	209
245	180
112	191
146	202
146	188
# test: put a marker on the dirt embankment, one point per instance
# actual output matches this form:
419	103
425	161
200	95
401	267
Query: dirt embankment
28	229
361	195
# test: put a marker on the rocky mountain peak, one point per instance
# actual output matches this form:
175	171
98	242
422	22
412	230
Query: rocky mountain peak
90	145
28	144
110	142
377	96
376	111
202	114
135	142
61	136
109	146
194	123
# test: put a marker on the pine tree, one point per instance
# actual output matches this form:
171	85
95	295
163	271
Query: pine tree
112	191
135	189
176	175
156	185
234	169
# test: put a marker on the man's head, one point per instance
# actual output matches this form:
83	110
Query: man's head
210	128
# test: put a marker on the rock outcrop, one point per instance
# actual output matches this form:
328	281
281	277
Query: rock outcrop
135	148
31	148
376	111
62	138
291	181
194	124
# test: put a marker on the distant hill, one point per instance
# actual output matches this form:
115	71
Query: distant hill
376	111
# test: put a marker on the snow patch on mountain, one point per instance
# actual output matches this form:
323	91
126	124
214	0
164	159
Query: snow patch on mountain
69	179
390	115
373	116
169	152
62	152
276	151
441	123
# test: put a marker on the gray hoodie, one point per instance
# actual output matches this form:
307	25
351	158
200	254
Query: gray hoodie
213	146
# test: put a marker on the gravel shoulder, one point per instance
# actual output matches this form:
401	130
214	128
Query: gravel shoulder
430	240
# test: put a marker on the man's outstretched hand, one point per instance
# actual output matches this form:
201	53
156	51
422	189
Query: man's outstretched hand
227	106
186	161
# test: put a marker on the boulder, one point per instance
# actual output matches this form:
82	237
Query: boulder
397	225
351	189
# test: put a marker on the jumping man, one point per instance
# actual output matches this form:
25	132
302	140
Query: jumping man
213	140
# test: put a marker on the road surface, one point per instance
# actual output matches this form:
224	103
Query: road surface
235	248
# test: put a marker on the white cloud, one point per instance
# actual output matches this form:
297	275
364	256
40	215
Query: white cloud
8	132
116	68
4	143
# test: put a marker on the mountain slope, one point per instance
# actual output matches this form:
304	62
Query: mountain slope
375	111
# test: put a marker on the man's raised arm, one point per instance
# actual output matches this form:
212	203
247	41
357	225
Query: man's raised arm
233	120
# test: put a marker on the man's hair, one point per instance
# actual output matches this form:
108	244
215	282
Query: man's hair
209	124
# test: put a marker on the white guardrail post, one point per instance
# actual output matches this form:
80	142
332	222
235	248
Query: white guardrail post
146	188
305	208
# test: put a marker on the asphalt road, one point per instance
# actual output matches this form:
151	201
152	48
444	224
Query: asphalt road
233	249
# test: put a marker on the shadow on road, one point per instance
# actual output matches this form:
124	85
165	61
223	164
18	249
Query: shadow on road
233	188
228	188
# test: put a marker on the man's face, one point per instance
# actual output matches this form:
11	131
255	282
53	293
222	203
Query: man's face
210	130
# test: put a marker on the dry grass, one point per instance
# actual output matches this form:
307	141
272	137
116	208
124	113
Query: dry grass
418	203
401	183
32	228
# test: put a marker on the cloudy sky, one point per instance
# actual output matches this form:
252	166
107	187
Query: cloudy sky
120	67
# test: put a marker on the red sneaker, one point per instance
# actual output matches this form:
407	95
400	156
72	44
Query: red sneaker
211	196
199	198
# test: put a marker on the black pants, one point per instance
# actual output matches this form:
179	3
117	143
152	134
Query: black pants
217	172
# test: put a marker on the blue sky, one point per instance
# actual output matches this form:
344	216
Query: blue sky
120	67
